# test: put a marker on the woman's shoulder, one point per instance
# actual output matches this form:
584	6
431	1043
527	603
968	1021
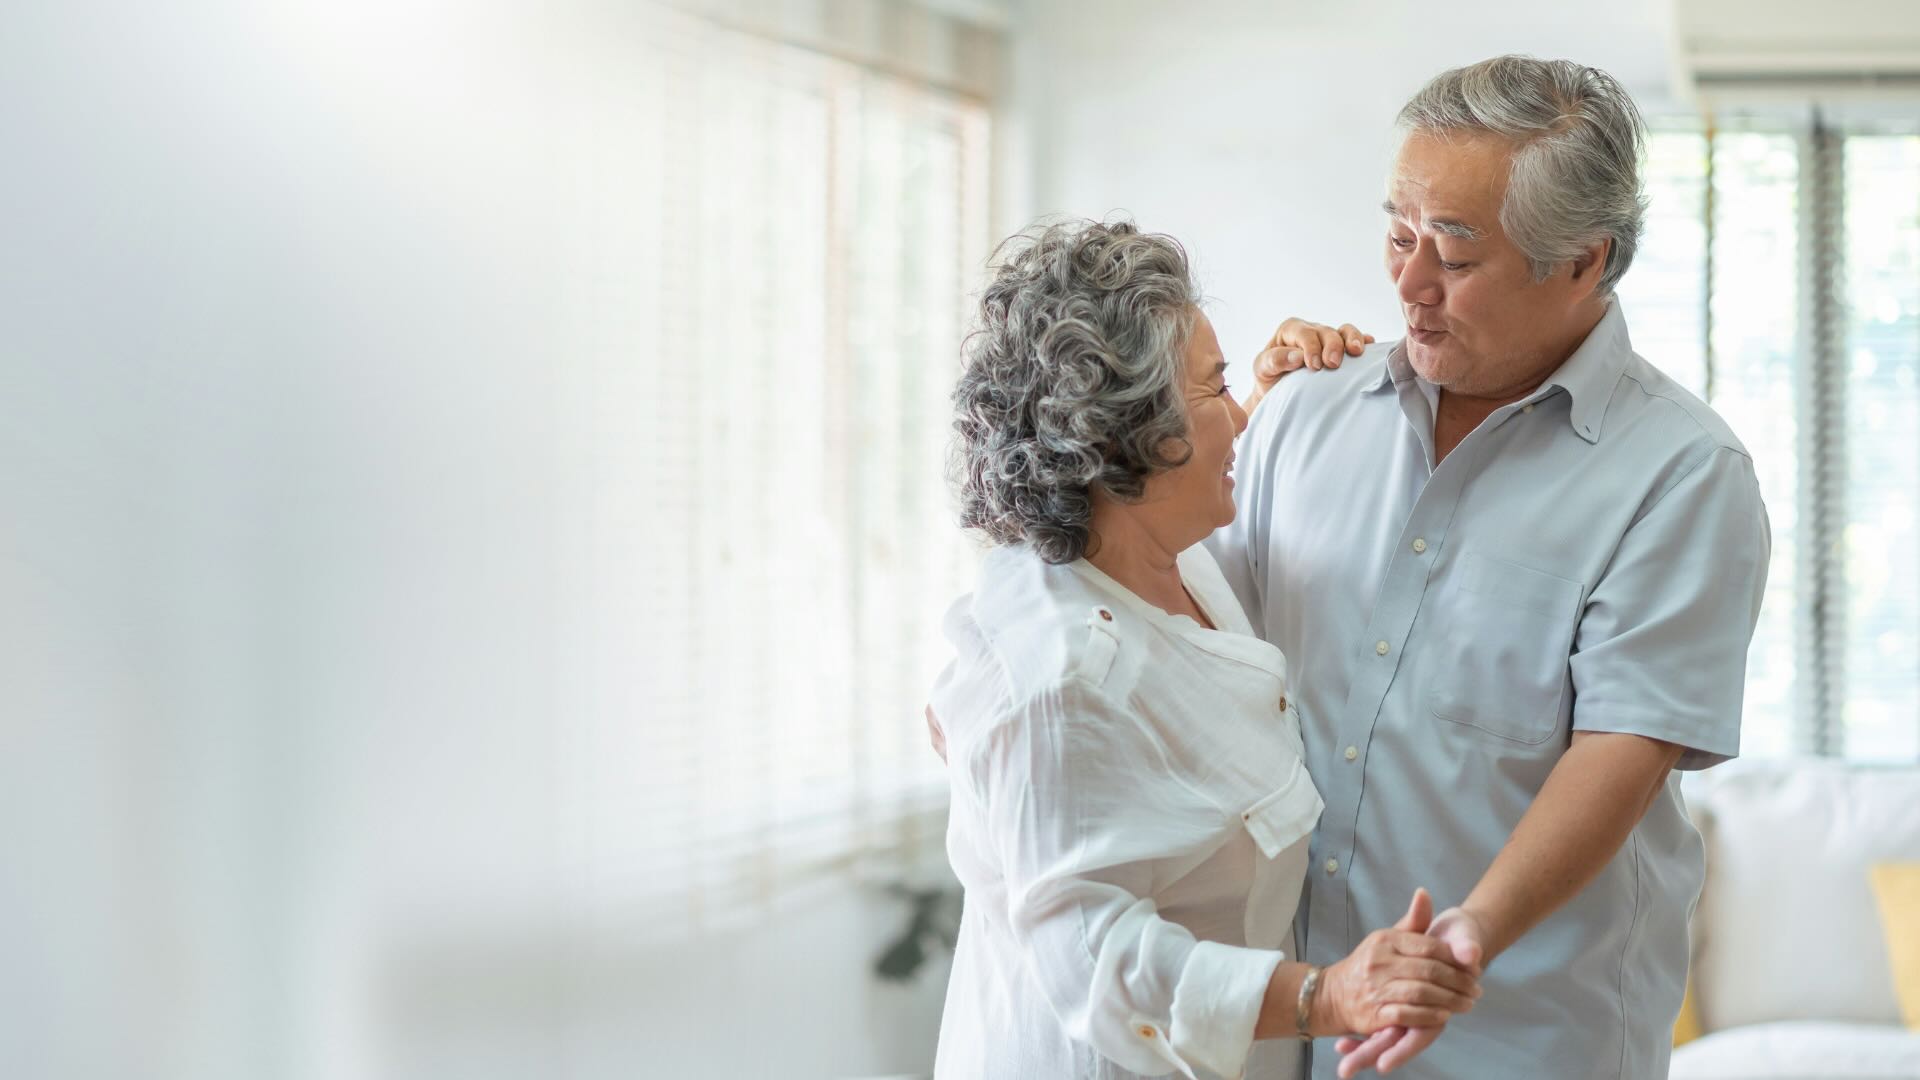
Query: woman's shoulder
1029	634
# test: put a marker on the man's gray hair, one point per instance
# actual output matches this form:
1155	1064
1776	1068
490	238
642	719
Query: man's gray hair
1074	380
1578	139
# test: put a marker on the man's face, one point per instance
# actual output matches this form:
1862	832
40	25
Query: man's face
1478	324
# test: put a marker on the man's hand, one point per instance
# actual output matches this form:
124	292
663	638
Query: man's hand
1299	343
1390	1048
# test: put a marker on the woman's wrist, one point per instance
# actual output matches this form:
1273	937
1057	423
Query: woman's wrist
1323	1017
1283	995
1279	1013
1304	1005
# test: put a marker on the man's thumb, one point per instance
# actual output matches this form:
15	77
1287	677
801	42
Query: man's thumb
1419	914
1466	952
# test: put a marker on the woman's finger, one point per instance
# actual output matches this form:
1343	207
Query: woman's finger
1333	347
1439	974
1417	992
1422	947
1356	341
1414	1016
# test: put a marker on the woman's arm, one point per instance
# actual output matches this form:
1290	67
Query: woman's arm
1062	796
1062	793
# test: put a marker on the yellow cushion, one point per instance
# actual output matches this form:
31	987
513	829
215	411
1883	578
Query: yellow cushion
1687	1028
1897	888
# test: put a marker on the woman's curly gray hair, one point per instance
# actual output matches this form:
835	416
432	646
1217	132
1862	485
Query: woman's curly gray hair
1074	380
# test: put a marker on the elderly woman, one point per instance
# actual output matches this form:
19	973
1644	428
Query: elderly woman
1130	813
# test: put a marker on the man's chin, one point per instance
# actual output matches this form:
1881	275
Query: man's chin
1428	362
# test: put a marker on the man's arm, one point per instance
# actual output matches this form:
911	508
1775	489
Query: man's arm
1592	800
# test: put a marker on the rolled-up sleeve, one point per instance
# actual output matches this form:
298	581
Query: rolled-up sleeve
1058	783
1661	649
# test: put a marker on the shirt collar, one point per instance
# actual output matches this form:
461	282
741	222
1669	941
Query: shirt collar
1588	376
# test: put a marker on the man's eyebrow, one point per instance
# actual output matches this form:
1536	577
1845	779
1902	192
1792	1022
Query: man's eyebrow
1446	225
1455	228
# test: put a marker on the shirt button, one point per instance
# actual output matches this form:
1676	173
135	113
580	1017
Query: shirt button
1147	1032
1419	546
1353	752
1107	615
1526	408
1381	647
1283	703
1333	866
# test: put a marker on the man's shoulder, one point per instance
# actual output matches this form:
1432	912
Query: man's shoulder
1354	375
1307	395
1652	409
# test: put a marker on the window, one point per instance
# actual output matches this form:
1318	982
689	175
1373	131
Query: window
1780	280
769	529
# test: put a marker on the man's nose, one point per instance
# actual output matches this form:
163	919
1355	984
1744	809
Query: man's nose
1418	278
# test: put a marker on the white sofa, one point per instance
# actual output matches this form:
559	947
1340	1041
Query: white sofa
1790	972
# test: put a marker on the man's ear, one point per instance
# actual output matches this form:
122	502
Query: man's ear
1589	265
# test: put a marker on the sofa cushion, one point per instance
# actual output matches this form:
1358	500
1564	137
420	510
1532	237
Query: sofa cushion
1897	888
1787	927
1801	1050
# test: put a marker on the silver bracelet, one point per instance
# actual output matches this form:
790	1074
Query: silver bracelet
1308	987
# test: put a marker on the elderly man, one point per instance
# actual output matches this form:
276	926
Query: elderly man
1516	568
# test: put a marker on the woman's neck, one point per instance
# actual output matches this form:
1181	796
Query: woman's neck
1127	551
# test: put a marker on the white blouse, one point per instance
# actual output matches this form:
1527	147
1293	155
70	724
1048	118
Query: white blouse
1130	817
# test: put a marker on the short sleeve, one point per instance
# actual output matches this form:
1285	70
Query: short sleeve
1661	649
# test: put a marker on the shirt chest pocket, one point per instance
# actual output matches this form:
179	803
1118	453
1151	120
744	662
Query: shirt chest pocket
1281	824
1500	664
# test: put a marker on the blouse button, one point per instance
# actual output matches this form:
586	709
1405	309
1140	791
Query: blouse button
1108	616
1147	1032
1283	703
1353	752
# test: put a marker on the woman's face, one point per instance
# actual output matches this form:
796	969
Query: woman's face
1197	497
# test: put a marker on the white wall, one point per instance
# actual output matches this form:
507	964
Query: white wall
1258	133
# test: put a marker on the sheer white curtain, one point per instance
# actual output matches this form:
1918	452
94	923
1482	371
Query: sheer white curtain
761	495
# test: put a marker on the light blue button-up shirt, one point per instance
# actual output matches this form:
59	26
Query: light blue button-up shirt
1588	559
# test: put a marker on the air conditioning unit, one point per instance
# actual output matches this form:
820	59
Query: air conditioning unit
1742	51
